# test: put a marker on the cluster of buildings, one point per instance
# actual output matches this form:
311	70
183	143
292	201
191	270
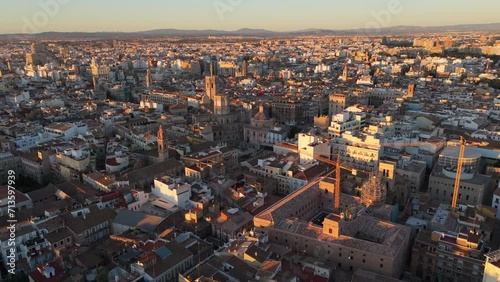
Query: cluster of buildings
306	159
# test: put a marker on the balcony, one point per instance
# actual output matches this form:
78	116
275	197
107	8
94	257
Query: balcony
34	241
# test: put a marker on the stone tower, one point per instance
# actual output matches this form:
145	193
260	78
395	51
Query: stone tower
345	73
411	90
148	79
211	84
95	83
244	68
162	144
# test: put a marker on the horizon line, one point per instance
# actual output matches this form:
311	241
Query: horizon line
249	28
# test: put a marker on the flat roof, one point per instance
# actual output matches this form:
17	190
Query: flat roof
58	126
364	232
453	152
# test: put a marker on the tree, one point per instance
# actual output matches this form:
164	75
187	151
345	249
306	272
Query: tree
294	131
19	277
102	274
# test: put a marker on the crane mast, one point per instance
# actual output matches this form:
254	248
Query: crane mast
459	173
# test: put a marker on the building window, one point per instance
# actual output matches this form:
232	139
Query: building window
381	265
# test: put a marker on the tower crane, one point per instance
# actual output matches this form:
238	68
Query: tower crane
338	166
460	163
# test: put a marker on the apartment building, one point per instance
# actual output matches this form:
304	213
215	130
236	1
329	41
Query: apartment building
35	165
359	149
174	191
287	111
71	162
89	225
346	121
32	249
338	102
475	187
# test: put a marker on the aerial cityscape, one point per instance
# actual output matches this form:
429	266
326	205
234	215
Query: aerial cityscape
233	140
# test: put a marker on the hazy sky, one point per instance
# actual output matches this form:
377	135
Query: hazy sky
137	15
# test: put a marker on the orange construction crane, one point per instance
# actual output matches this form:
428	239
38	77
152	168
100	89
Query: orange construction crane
460	163
323	158
338	167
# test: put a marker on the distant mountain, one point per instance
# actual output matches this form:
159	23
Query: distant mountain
406	29
394	30
254	31
206	32
178	32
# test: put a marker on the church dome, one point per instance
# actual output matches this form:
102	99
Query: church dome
261	115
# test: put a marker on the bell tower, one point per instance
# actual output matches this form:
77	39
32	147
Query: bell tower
148	79
345	73
162	144
211	84
411	90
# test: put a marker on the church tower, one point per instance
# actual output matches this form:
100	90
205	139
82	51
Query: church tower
162	144
244	68
95	83
211	84
345	73
221	105
411	90
148	79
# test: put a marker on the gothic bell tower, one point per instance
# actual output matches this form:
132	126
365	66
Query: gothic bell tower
162	144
